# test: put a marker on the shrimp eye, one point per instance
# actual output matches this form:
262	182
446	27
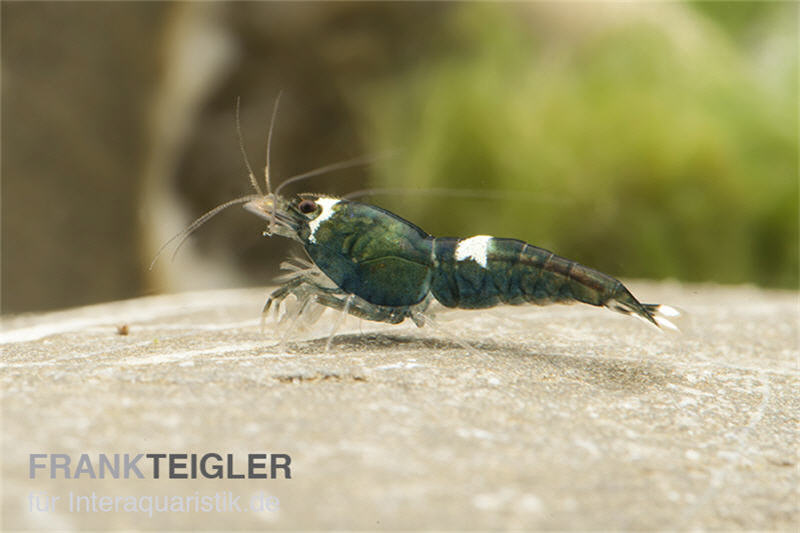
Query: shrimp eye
307	206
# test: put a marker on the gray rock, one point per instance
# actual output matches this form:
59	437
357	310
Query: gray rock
517	417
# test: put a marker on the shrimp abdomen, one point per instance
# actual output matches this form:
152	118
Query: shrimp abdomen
484	271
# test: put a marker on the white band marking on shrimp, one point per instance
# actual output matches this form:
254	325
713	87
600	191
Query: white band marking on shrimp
474	248
327	204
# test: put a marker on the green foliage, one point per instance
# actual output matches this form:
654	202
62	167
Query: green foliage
637	149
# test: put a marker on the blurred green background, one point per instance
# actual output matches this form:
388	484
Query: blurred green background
656	147
649	140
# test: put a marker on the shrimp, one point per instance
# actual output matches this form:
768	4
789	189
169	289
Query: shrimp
371	263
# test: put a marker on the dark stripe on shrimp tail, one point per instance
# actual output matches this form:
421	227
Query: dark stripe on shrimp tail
551	278
569	280
590	286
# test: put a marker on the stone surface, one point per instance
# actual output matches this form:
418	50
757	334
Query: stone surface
557	417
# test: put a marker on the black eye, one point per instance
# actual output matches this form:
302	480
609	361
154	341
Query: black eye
307	206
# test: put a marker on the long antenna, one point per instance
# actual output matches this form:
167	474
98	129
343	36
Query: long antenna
185	233
355	162
253	180
191	228
272	222
480	194
269	139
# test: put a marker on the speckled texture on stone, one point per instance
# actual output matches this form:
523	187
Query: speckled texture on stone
558	417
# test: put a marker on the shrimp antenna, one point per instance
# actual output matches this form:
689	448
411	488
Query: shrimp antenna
269	140
436	191
272	222
349	163
194	226
252	176
191	228
480	194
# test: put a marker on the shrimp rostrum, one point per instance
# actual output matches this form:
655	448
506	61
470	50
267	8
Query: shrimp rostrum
375	265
